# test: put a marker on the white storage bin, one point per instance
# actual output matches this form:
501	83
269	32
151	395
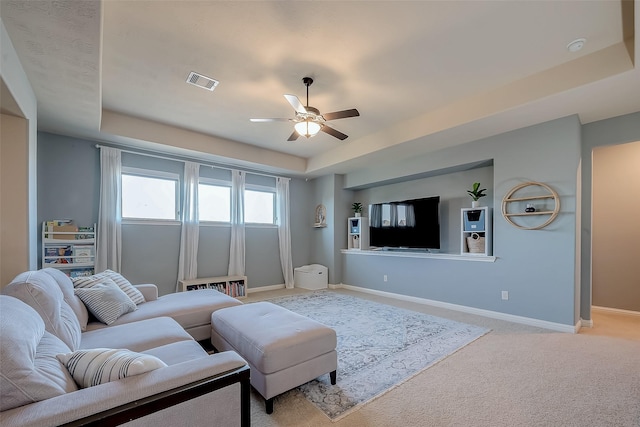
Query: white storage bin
313	276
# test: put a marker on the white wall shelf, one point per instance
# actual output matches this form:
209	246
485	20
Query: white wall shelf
74	251
358	233
476	235
421	254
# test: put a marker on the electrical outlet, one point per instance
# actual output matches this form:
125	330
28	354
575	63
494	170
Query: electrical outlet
505	295
384	278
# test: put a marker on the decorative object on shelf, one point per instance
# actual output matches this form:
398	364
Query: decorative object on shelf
357	208
321	216
542	192
475	243
476	193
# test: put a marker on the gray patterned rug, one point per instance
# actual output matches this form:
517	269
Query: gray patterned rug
379	346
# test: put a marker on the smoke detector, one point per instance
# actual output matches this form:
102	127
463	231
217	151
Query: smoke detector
576	45
202	81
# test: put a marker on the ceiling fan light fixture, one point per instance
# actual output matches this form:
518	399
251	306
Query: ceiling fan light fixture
307	128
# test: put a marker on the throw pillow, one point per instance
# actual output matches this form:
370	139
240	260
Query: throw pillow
135	295
126	286
106	301
101	365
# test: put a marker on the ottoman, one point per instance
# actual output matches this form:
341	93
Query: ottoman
283	349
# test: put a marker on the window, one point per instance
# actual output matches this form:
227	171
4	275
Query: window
259	206
148	194
214	201
394	215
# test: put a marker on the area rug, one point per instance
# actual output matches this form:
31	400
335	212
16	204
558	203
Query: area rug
379	346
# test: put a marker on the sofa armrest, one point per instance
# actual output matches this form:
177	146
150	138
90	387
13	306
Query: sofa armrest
149	291
117	402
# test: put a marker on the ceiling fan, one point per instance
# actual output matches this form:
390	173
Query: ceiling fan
308	120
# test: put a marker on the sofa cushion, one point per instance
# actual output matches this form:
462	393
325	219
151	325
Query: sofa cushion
178	352
136	336
106	300
66	286
102	365
87	282
41	291
29	370
190	309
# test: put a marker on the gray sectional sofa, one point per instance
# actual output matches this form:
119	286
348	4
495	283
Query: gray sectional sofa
41	318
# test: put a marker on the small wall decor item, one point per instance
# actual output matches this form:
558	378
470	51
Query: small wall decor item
476	193
357	208
526	192
321	216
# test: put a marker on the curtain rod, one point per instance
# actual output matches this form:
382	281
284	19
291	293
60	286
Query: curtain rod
158	156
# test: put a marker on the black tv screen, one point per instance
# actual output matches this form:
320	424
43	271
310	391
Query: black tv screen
413	224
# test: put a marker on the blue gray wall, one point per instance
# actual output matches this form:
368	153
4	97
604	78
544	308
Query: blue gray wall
537	267
547	272
69	187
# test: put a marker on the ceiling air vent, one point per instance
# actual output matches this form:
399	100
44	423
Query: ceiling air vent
202	81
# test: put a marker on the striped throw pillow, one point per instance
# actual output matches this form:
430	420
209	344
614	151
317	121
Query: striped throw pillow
101	365
126	286
106	301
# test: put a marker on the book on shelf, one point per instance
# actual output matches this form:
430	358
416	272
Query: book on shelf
59	254
83	253
89	230
81	272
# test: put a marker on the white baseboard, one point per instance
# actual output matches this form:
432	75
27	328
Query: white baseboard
478	311
586	323
265	288
615	310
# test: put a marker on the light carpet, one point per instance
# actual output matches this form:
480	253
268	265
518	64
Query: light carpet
379	346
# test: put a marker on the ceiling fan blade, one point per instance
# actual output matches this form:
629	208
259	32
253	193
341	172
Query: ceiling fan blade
293	136
341	114
296	104
279	119
336	133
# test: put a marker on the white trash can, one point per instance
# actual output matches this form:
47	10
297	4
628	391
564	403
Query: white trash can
313	276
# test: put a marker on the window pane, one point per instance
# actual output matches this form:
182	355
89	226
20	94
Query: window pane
148	198
402	215
214	203
259	207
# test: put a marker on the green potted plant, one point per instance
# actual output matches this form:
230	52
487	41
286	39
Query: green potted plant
476	192
357	208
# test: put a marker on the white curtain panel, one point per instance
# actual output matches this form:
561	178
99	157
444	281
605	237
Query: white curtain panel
284	230
376	215
236	248
109	232
188	261
411	216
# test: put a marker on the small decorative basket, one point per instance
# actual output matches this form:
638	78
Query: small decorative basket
475	243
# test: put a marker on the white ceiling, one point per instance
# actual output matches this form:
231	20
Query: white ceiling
423	74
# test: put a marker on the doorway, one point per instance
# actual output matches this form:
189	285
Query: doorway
615	242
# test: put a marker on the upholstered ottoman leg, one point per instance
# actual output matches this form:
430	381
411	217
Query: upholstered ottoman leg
269	405
332	375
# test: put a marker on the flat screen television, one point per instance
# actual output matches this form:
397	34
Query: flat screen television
408	224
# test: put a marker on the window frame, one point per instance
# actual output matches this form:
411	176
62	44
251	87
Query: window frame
157	174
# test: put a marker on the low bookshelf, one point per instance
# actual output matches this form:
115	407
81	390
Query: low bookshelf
234	286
